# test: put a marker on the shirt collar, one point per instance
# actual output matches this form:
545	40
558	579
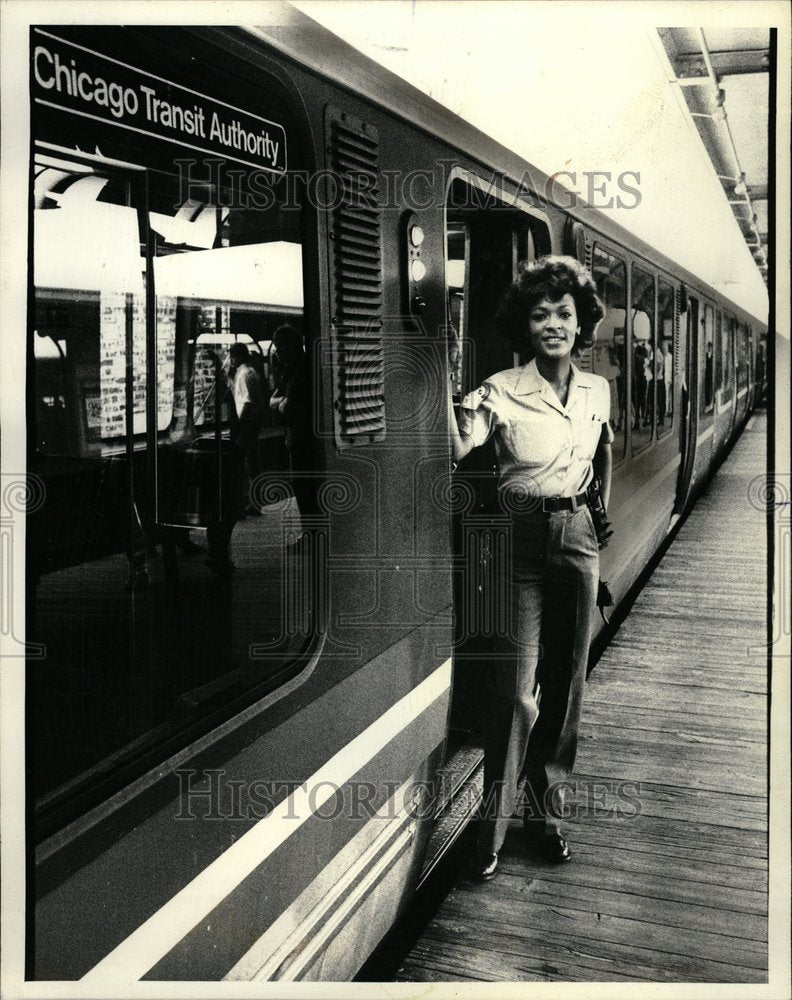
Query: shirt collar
529	380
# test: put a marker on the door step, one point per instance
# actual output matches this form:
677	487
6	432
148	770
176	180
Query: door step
461	782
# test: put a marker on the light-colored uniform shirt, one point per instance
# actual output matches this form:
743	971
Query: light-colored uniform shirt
246	388
668	368
544	449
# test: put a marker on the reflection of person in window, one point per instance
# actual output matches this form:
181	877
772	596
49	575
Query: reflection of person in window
248	396
292	399
611	370
549	421
648	380
660	387
761	352
668	376
640	355
708	375
621	379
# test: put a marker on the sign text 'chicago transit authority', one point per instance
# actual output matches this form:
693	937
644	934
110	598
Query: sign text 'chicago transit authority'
77	80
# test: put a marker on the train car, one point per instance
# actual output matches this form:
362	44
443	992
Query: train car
244	775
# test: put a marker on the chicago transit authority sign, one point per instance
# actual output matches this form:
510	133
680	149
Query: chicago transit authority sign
79	81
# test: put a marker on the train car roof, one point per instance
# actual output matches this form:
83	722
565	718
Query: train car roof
311	45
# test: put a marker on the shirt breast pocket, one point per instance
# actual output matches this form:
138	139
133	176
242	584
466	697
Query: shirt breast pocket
532	441
586	433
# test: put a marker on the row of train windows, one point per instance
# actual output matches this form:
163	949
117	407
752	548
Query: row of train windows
722	335
646	402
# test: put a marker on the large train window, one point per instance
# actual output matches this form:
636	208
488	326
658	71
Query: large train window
168	564
609	355
643	357
708	358
664	359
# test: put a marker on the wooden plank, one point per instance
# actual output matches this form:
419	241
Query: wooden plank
713	752
483	909
675	718
638	851
695	838
452	961
696	913
676	741
641	693
551	942
680	804
683	883
738	785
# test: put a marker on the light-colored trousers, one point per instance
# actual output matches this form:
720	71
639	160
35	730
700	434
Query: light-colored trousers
551	587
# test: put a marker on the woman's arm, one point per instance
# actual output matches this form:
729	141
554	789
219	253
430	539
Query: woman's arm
461	444
602	464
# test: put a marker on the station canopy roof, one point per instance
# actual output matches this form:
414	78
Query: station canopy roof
724	76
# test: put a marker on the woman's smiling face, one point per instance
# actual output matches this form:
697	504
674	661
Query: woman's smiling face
553	327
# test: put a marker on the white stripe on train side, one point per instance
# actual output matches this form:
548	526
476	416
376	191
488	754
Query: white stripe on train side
163	930
705	435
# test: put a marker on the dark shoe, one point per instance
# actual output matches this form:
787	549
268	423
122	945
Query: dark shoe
555	848
552	846
485	867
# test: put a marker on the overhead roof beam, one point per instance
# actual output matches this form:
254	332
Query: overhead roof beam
740	189
690	66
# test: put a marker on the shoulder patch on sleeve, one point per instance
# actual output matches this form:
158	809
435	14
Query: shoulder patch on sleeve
483	391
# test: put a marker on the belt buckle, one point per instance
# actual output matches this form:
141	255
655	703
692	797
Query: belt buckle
574	502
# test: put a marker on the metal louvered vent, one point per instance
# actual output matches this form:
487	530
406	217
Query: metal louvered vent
355	253
579	244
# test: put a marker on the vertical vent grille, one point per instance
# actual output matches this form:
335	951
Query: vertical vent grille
578	243
355	254
677	315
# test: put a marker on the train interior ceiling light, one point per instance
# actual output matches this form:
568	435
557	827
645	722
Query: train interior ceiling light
723	74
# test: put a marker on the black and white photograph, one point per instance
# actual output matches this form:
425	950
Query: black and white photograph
395	509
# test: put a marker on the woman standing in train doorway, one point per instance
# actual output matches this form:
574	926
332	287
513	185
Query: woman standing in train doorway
553	439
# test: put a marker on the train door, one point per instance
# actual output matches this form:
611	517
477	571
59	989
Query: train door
708	345
484	243
688	425
725	392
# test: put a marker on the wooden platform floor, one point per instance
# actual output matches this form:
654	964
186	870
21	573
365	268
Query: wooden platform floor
672	886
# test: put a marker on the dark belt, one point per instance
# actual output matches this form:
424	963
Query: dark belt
551	505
